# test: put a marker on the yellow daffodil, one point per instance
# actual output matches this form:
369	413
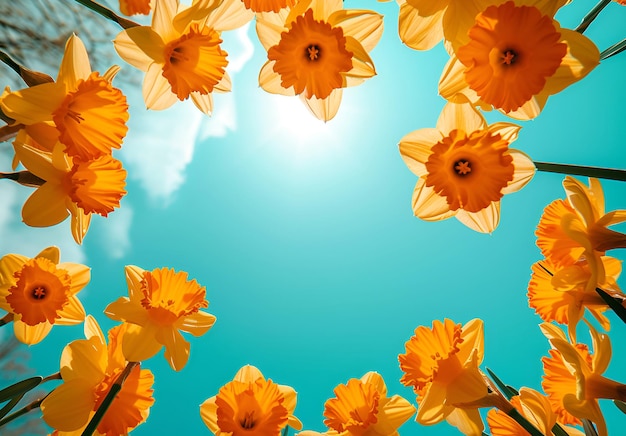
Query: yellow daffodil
135	7
250	405
81	109
361	407
88	368
464	166
72	186
560	293
531	405
441	364
316	49
162	303
41	292
517	56
573	377
181	53
571	230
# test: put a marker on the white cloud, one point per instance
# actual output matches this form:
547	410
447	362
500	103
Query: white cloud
114	238
160	144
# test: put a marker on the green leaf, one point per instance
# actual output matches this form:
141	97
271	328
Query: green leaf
10	405
19	388
557	430
506	390
620	405
613	304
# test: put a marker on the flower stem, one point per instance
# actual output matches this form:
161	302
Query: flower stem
513	413
55	376
25	178
613	50
107	13
6	319
106	403
592	15
579	170
23	411
30	77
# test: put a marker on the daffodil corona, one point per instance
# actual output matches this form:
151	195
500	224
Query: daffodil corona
41	292
465	167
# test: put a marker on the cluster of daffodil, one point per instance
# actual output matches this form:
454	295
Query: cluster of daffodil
508	55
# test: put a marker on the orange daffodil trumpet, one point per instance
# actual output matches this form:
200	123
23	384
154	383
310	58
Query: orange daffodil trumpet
316	49
161	303
136	7
88	368
268	5
465	167
181	53
441	365
515	57
250	405
362	408
576	229
41	292
573	377
71	186
81	110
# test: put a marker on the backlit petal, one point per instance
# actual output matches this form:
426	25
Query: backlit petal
139	46
33	105
523	173
139	343
75	64
270	80
157	92
79	394
415	148
28	334
484	221
428	205
197	323
460	116
365	26
45	207
72	313
324	109
420	32
176	348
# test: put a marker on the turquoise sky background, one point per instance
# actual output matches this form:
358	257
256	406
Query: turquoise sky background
303	233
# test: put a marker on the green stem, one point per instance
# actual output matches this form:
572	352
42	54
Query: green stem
23	411
579	170
6	59
107	13
613	50
513	413
55	376
106	403
592	15
25	178
6	319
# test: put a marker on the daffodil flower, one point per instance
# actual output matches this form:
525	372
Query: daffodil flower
136	7
465	167
72	186
88	368
161	302
577	228
41	292
561	294
517	56
441	365
250	404
573	377
181	53
82	110
316	49
268	5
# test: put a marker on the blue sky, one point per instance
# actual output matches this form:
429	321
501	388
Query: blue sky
303	234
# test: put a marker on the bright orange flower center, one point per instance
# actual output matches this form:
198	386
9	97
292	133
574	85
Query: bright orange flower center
97	185
268	5
251	409
470	171
427	351
311	57
194	62
92	119
354	409
512	50
134	7
169	296
40	292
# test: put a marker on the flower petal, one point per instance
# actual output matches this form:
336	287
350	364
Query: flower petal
45	207
75	64
230	15
33	105
29	334
324	109
460	116
204	102
420	32
140	46
197	323
270	80
248	374
523	173
208	413
176	348
428	205
139	343
484	221
72	313
56	410
124	309
157	92
365	26
415	148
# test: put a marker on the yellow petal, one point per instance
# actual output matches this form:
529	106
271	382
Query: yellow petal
523	173
80	222
198	11
45	207
139	46
123	309
139	343
460	116
269	27
53	254
468	421
270	80
428	205
72	313
415	148
208	413
324	109
176	348
157	92
33	105
508	131
395	412
9	264
163	19
364	26
230	15
75	64
86	359
224	85
248	374
39	163
484	221
134	276
204	102
80	274
362	64
29	334
473	339
432	408
322	9
56	410
197	324
452	83
92	329
420	32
